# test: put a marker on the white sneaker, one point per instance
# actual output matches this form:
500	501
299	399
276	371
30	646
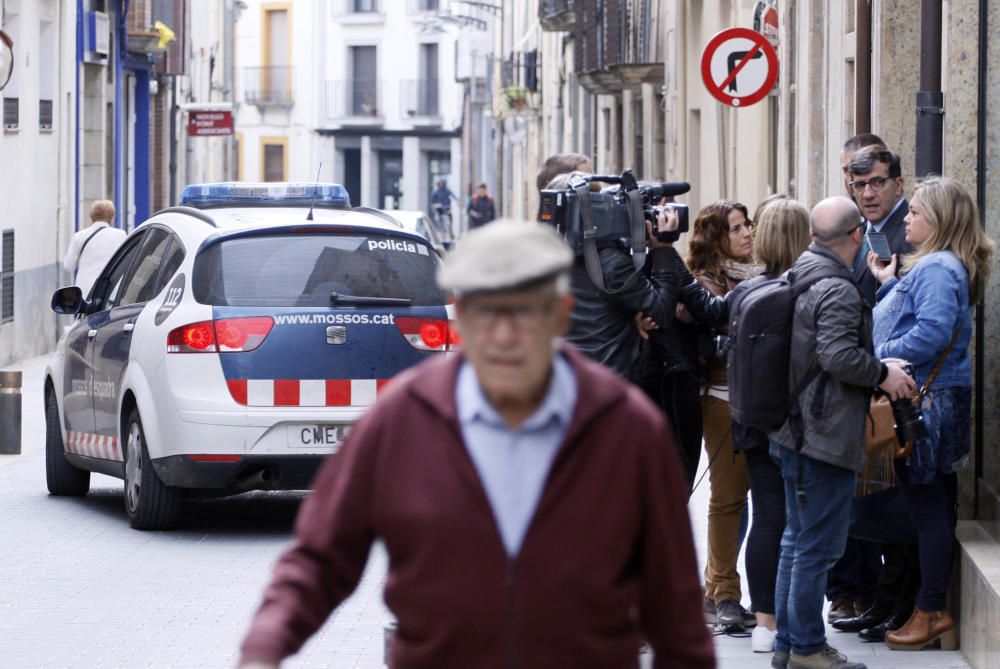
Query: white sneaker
762	639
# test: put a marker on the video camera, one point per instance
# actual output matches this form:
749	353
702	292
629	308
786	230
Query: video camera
617	212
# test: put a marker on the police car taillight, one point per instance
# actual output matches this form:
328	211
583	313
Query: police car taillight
227	335
429	334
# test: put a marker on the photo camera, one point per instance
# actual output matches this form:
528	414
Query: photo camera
615	210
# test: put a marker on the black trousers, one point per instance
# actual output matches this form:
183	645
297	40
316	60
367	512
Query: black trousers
934	513
768	523
678	396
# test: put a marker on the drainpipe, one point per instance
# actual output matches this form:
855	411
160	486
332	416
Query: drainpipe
121	43
980	371
863	68
930	99
76	129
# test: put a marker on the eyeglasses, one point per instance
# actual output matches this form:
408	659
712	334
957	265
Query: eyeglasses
877	184
529	316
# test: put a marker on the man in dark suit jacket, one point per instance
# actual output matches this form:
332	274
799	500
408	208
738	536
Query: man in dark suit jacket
877	185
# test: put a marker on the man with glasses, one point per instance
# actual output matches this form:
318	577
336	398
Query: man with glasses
877	185
531	514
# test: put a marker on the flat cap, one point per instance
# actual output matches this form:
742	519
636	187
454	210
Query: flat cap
504	255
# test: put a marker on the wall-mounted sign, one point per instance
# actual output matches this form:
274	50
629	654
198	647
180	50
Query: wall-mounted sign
739	67
765	21
210	123
6	58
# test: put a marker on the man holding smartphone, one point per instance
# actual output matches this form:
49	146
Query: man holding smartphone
877	186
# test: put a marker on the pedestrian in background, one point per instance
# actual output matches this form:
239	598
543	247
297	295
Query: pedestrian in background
481	210
720	256
781	235
500	553
821	447
926	318
91	248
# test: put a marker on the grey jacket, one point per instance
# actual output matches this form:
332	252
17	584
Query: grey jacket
832	329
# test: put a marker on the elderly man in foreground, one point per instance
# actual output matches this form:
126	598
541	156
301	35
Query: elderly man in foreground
532	508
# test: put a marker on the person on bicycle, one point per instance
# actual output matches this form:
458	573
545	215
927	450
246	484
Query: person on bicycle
441	198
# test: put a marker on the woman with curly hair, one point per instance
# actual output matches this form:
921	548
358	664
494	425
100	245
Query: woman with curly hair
925	317
720	256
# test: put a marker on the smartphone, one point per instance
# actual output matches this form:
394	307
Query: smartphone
879	246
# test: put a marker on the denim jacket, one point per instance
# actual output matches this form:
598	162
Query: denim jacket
916	317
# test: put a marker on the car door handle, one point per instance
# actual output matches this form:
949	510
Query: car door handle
128	327
91	334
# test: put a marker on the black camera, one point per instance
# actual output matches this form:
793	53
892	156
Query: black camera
614	212
909	418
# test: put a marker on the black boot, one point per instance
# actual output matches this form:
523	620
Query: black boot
870	618
890	624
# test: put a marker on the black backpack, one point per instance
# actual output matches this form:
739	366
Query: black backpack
760	339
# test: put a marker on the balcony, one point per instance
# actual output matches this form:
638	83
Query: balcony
421	6
268	86
419	99
556	15
356	100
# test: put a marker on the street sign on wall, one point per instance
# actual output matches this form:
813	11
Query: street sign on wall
765	21
210	123
739	67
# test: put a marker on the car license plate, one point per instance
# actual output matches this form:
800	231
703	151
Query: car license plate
317	436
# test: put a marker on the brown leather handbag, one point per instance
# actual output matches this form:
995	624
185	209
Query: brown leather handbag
883	444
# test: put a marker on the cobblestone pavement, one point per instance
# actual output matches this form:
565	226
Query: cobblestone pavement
79	588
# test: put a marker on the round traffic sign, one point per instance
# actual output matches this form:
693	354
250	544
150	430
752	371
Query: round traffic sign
739	67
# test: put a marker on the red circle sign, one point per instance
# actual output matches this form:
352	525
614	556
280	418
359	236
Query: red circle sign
739	67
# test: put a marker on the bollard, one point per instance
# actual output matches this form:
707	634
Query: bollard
10	413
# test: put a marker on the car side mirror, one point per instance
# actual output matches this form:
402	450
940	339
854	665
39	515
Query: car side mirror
68	300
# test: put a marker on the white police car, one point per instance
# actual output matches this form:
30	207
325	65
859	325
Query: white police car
230	343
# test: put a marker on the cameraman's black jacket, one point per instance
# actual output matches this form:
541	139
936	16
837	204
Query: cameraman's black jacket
603	323
672	347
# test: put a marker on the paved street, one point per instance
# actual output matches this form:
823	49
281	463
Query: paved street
81	589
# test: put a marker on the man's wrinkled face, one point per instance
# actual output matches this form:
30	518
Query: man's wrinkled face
876	193
509	338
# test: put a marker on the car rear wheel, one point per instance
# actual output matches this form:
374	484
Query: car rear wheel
149	503
62	478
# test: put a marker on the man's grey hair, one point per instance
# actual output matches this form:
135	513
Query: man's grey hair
862	140
833	219
864	161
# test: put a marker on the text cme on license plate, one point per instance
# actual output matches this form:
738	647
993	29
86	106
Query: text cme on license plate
317	435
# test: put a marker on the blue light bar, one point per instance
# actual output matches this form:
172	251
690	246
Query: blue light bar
278	194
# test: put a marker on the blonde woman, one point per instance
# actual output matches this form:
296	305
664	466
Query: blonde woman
926	317
781	235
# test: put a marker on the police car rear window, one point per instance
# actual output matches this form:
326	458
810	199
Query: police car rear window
303	270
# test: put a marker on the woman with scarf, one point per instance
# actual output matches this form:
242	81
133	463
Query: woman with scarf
720	256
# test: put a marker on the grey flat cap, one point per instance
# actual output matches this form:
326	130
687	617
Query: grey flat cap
504	255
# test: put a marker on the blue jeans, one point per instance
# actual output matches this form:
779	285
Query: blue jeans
817	509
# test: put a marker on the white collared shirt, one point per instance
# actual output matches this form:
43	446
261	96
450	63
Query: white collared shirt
514	465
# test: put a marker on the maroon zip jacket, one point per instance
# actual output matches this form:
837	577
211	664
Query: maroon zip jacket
607	560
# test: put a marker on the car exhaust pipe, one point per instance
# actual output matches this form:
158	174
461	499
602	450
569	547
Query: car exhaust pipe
257	478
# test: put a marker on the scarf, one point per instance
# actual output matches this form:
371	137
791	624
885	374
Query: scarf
739	271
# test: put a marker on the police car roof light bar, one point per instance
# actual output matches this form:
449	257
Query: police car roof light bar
277	194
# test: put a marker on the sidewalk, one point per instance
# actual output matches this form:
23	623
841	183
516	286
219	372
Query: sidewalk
732	652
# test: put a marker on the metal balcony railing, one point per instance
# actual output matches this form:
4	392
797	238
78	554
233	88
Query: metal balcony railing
556	15
349	7
419	97
270	85
358	98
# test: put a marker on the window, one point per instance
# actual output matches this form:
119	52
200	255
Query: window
363	85
274	159
11	113
48	73
303	270
45	114
141	285
108	286
7	277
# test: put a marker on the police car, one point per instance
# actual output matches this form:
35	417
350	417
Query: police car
231	342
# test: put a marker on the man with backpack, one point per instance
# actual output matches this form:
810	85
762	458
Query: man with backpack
820	445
